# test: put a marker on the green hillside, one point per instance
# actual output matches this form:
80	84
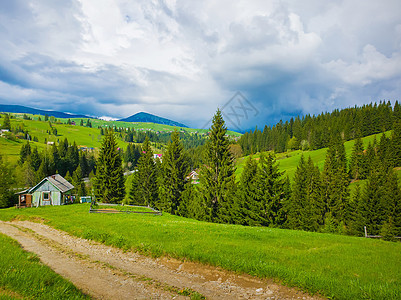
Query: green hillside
339	267
288	161
83	136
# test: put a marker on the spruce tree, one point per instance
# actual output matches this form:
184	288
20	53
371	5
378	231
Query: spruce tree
25	152
297	202
144	189
35	159
174	170
109	181
396	144
217	173
372	198
335	180
355	213
6	182
78	183
357	168
271	187
248	207
6	124
305	208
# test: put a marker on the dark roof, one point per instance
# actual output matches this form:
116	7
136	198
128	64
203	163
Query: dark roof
58	181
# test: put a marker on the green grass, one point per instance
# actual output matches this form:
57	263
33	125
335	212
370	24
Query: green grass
340	267
23	276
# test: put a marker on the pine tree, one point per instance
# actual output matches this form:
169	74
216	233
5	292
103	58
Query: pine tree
355	213
335	180
25	152
217	174
271	187
35	159
6	182
248	207
144	189
305	208
6	124
78	183
372	198
396	143
357	168
174	170
109	183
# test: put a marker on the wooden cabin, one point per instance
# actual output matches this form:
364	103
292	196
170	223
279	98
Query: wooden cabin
52	190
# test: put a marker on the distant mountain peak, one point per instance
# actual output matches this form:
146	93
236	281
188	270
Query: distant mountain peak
145	117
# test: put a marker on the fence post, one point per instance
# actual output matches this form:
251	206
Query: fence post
366	232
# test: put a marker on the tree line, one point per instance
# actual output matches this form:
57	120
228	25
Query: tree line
314	132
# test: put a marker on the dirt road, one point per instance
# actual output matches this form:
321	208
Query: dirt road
108	273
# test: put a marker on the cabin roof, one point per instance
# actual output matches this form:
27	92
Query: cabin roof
57	181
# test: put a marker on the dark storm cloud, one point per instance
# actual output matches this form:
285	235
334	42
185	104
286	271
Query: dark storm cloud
183	59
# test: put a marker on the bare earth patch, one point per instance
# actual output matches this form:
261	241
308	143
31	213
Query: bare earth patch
106	272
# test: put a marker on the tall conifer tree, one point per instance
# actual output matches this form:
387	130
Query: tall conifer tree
109	182
335	180
357	168
248	207
272	190
175	168
217	175
144	186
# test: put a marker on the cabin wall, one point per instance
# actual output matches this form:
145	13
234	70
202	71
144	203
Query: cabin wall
55	194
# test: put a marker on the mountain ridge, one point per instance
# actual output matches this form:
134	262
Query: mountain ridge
147	117
29	110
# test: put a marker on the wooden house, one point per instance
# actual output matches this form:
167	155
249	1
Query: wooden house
52	190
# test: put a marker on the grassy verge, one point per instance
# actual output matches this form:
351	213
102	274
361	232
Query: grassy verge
340	267
23	276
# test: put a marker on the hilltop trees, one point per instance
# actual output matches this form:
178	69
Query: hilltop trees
109	180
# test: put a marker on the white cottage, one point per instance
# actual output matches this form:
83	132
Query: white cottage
52	190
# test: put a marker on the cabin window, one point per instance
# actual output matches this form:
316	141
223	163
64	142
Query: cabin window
46	196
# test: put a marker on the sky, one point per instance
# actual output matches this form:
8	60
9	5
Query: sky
258	61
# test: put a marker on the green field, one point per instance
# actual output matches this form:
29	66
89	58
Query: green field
339	267
83	136
22	276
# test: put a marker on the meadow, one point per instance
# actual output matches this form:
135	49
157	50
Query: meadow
83	136
338	267
23	276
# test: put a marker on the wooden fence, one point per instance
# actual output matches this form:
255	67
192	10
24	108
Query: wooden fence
377	236
118	211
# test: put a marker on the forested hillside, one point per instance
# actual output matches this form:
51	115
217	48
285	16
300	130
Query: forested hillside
314	132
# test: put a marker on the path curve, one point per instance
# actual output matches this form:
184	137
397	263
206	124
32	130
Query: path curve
106	272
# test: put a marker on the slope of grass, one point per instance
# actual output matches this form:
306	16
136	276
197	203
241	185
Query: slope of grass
23	276
341	267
